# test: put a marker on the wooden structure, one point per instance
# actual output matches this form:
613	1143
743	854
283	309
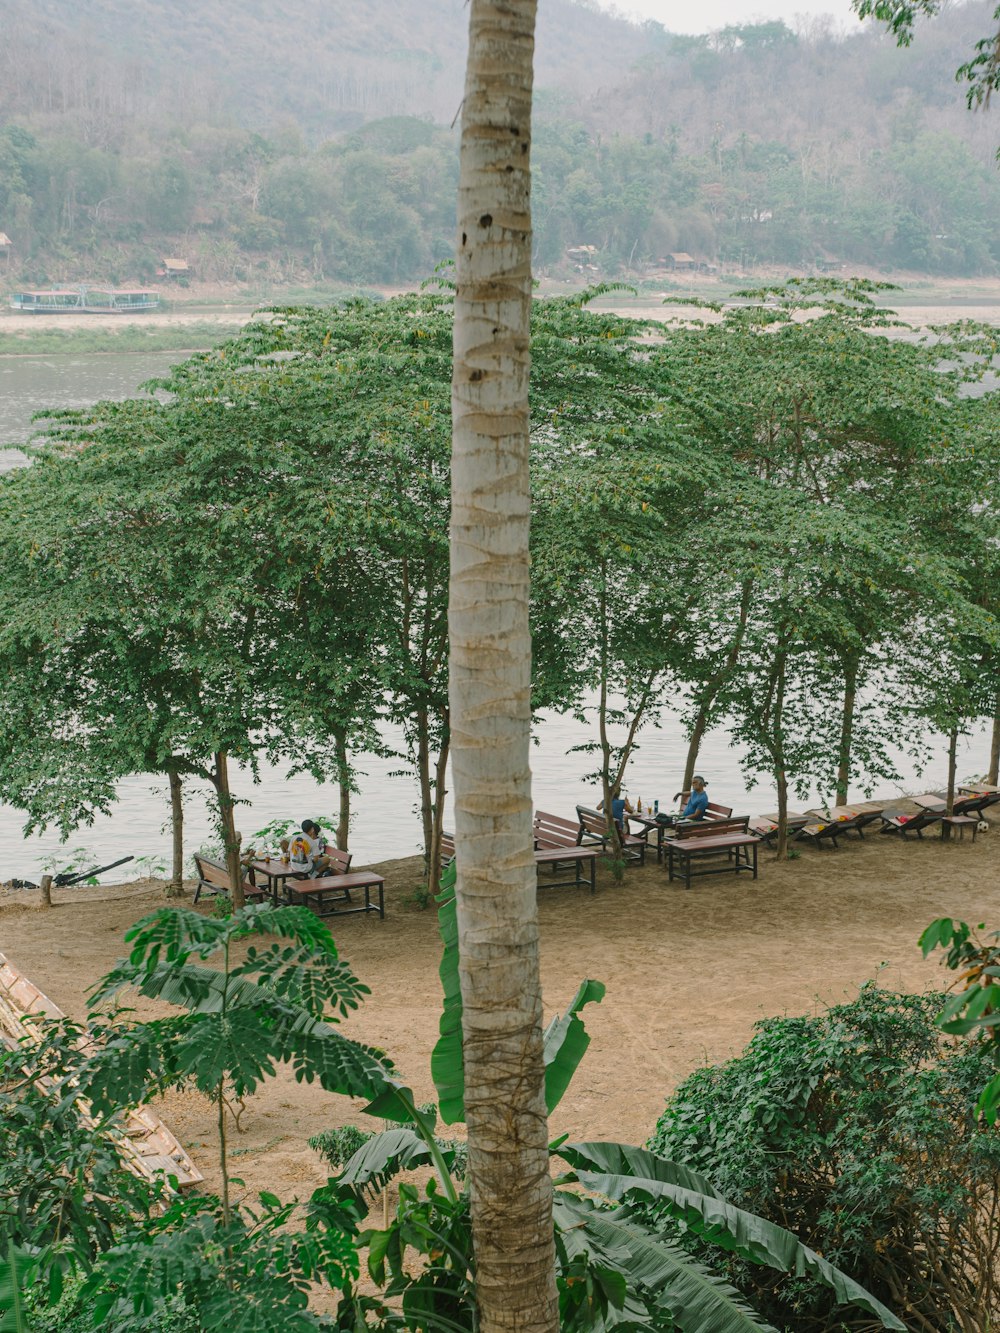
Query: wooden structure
703	844
594	829
213	877
324	894
147	1147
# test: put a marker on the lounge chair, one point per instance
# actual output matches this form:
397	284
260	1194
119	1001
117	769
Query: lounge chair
895	821
829	825
766	827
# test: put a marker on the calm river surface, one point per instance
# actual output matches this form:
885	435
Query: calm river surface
386	822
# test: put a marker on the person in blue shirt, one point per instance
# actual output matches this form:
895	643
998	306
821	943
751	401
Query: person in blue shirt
697	801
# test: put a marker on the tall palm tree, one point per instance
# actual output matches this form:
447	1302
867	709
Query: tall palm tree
490	676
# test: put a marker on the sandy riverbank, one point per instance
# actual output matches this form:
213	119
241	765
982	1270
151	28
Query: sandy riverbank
688	974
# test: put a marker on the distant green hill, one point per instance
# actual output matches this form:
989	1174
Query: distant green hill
301	144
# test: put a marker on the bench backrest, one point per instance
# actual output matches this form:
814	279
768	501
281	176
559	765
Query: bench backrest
216	874
447	847
340	862
713	828
554	831
718	811
592	822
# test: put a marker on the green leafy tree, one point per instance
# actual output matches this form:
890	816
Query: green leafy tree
854	1129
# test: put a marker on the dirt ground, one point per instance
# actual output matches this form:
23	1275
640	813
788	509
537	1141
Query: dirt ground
687	975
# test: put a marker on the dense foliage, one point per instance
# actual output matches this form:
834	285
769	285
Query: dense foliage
756	143
857	1130
777	506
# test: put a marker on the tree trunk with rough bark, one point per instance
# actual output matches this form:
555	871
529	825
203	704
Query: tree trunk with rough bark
175	889
490	679
230	838
994	774
847	729
344	787
780	774
952	769
715	684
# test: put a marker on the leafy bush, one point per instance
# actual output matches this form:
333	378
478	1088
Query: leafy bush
74	1314
335	1146
856	1130
64	1192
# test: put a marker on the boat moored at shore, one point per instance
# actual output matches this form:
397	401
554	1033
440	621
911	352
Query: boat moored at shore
85	300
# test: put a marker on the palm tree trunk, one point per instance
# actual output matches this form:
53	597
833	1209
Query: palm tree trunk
490	684
175	889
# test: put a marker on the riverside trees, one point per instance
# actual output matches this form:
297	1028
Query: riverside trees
256	564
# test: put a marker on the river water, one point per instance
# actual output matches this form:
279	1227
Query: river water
386	823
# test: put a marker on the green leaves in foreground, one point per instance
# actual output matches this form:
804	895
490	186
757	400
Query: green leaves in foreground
975	1008
565	1038
14	1267
627	1174
278	1005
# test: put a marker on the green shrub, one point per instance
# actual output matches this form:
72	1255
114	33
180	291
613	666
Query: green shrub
74	1313
855	1130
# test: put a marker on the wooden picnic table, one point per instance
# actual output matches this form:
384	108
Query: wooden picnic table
275	871
702	844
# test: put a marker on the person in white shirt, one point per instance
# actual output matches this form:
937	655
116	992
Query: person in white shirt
307	850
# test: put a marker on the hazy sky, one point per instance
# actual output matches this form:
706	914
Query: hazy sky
704	15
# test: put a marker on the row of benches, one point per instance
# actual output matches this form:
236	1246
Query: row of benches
561	843
326	895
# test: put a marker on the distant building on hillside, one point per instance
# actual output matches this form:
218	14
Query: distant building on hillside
582	256
678	260
173	268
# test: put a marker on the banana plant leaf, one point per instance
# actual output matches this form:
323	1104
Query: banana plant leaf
378	1160
565	1041
447	1068
662	1275
14	1267
596	1166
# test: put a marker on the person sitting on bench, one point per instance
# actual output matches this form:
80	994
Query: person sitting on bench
697	801
308	850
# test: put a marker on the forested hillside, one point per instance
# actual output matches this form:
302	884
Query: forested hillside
302	144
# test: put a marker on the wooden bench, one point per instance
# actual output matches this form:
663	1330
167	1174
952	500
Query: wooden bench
554	831
593	828
214	877
556	847
703	842
323	894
